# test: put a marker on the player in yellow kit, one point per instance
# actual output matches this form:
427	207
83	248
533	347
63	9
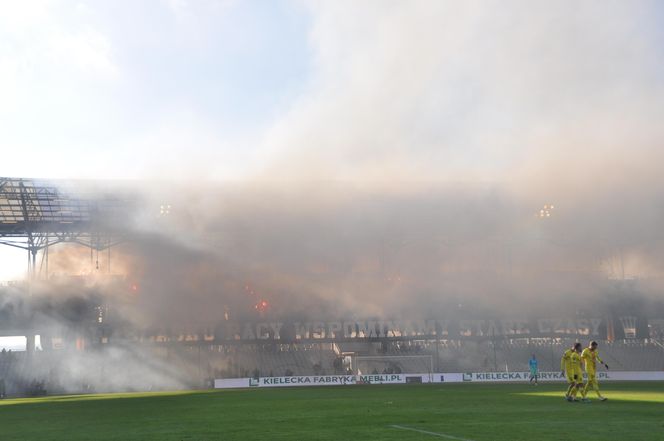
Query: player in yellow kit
570	365
590	358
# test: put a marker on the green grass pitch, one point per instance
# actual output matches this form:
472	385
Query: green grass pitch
471	412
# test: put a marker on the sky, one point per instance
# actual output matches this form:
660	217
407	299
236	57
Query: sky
131	89
552	102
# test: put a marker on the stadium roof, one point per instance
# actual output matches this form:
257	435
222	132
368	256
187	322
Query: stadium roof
30	207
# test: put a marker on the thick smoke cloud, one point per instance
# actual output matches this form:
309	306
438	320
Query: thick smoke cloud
554	104
408	176
335	250
474	91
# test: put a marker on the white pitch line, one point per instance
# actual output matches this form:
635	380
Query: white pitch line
440	435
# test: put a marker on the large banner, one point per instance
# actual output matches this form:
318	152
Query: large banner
313	380
513	377
593	327
456	377
337	331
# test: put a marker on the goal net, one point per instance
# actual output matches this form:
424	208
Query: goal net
393	364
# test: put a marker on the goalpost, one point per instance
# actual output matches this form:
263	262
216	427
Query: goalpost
393	364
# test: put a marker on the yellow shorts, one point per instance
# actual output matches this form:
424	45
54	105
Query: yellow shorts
571	374
592	376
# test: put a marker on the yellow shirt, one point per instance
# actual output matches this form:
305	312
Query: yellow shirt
566	361
590	359
575	362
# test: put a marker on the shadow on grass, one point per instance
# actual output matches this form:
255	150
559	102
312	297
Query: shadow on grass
53	399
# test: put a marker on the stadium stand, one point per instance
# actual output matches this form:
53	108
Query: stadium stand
197	365
449	356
